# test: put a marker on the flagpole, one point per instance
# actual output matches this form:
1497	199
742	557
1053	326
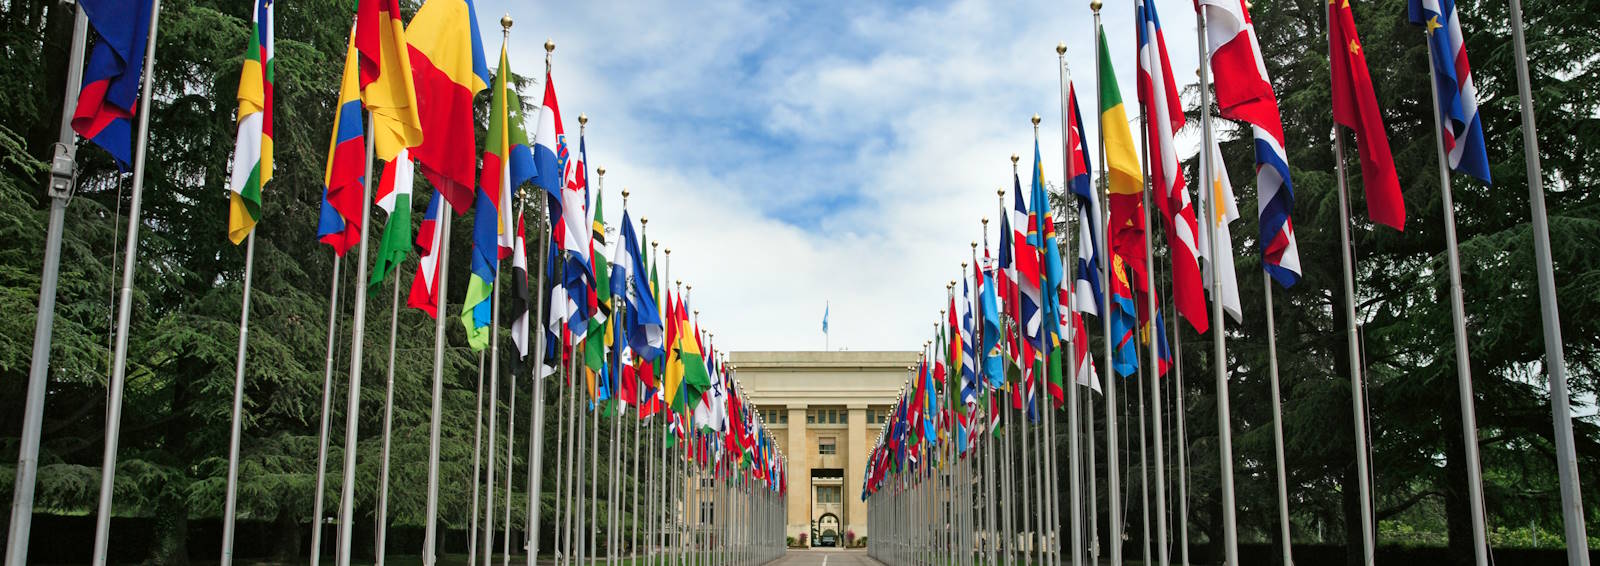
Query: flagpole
327	391
119	365
1113	474
430	539
1075	477
1357	390
511	411
1469	418
1152	369
612	534
1277	420
1550	316
494	404
230	504
477	460
380	546
1230	525
536	428
63	173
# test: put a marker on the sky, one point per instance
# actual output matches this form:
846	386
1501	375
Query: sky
797	155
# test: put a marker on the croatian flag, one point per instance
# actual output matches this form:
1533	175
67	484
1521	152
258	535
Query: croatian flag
1458	97
1244	93
549	145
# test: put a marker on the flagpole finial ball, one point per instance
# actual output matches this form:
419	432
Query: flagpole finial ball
964	264
985	221
505	21
680	282
1061	48
1095	5
1248	5
1015	158
974	246
624	192
602	171
1000	192
645	220
1035	119
654	243
583	119
696	311
549	46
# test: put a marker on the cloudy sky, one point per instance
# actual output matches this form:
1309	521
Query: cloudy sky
801	154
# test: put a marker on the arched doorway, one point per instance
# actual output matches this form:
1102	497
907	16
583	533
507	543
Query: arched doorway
828	530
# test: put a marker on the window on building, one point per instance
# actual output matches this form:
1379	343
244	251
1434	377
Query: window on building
707	512
833	416
827	446
783	417
830	494
811	417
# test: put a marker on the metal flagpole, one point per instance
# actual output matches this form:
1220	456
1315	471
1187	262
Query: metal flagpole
1070	378
327	392
593	458
1277	421
380	546
230	504
1357	389
612	534
511	435
1113	474
477	459
1144	476
119	365
494	404
1469	418
430	539
633	537
1183	451
347	500
1153	346
1550	316
1219	353
63	173
571	476
536	428
561	546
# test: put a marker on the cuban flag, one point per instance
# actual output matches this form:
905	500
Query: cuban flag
1458	97
111	79
1244	93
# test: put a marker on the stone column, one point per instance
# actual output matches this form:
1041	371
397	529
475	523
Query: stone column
799	474
855	515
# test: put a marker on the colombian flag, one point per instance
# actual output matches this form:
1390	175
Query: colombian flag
340	223
448	66
252	152
111	83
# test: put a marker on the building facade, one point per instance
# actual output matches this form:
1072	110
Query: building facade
825	410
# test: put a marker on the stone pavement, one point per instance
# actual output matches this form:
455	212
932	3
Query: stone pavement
829	557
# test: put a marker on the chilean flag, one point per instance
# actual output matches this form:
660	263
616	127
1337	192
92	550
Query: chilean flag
1458	97
111	79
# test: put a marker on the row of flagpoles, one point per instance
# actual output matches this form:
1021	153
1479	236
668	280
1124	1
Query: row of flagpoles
1008	339
406	98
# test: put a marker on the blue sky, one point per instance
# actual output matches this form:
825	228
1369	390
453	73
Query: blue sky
793	154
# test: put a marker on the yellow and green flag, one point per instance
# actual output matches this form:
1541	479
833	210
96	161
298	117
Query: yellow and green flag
252	152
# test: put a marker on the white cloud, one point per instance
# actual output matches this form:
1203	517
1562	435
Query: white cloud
792	157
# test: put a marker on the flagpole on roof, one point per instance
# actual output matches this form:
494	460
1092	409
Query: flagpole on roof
1353	341
1550	316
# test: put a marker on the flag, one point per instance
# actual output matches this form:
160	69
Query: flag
969	375
1164	110
645	328
344	178
111	77
1051	282
1356	107
1025	272
825	308
424	294
394	197
1458	96
599	295
449	68
1124	320
687	380
1082	363
1126	182
252	152
575	241
1086	288
521	298
1244	93
549	150
386	78
993	367
490	228
1224	209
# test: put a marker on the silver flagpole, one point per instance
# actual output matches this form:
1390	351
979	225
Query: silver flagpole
559	544
1277	421
1219	353
1458	311
612	537
593	457
119	365
230	505
1183	451
1069	376
569	547
1113	473
511	435
1153	346
477	460
490	452
633	537
430	539
380	546
1550	316
347	500
1144	476
327	393
536	428
63	170
1353	340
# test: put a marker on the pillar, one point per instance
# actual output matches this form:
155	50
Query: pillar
799	454
855	515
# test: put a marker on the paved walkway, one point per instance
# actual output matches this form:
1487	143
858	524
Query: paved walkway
821	557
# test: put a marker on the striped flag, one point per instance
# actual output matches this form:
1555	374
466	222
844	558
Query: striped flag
340	222
489	224
1244	93
252	152
1458	96
1224	210
424	293
449	68
386	79
1126	181
394	197
111	77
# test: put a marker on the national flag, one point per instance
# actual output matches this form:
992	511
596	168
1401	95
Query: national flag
1026	274
1164	111
691	378
1124	320
1126	222
345	176
386	80
1244	93
424	294
644	324
111	77
449	68
575	241
491	229
993	367
521	297
964	358
1052	280
1086	289
394	197
252	152
1453	87
1082	363
1356	107
1224	210
599	294
825	308
549	151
